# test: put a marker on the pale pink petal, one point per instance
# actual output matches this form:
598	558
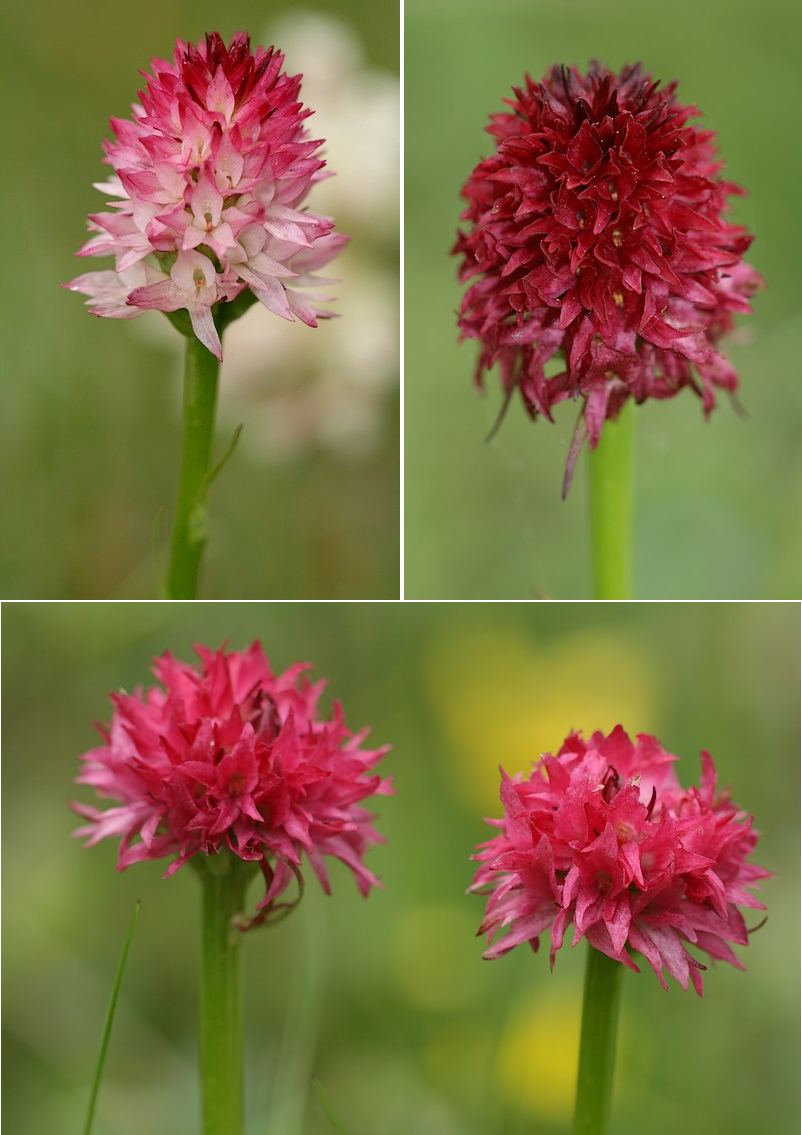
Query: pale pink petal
163	296
219	95
269	292
204	328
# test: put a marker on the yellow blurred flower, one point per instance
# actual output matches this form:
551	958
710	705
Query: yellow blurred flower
539	1052
532	1065
503	697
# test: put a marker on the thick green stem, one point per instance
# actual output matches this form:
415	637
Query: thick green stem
224	880
189	527
597	1046
611	499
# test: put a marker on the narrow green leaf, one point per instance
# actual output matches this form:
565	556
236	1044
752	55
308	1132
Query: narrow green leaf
104	1041
232	445
326	1104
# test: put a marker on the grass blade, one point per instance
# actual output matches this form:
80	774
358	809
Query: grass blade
104	1040
326	1104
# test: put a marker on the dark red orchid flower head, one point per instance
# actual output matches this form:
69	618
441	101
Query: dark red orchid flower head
596	234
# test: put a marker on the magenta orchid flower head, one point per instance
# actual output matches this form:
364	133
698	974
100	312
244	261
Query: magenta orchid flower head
602	836
230	756
597	235
211	174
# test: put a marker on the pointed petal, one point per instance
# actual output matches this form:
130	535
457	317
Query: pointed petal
163	296
204	327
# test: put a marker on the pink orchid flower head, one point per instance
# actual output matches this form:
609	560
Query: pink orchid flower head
596	243
229	756
211	175
603	837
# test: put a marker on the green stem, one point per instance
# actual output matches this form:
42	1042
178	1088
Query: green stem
201	369
611	496
224	880
597	1046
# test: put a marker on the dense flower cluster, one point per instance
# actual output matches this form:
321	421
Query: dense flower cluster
596	233
210	176
603	836
231	755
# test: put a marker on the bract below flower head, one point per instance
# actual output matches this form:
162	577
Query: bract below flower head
602	836
210	177
596	234
229	755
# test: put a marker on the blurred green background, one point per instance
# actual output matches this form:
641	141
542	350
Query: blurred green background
388	1001
717	503
90	406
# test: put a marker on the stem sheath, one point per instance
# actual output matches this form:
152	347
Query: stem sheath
611	501
201	370
224	883
597	1045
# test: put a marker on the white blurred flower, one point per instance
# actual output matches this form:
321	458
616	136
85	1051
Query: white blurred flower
297	389
330	389
357	112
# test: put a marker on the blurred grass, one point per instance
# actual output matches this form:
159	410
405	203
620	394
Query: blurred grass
716	501
90	426
413	1032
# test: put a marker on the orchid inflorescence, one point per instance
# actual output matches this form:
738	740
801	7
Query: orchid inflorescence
210	177
602	836
596	244
230	757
